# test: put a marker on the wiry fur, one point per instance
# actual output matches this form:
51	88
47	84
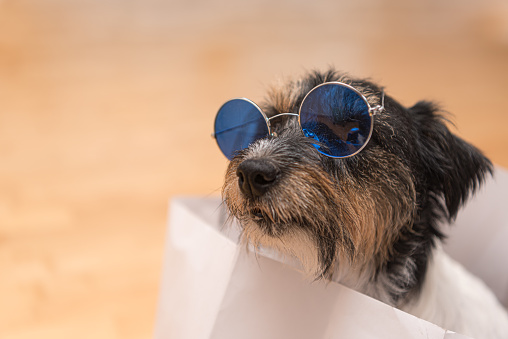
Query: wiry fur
369	221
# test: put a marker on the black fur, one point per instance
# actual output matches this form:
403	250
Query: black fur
447	170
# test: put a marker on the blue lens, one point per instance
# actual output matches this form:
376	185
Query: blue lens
338	118
238	123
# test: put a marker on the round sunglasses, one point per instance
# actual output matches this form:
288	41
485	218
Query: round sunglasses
334	114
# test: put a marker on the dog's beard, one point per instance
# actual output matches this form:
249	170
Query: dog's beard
292	243
322	219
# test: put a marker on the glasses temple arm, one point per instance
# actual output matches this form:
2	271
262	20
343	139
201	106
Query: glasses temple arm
379	108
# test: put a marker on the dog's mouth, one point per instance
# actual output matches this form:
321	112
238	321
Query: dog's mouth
258	214
270	223
264	221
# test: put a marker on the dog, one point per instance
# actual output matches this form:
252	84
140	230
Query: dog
365	213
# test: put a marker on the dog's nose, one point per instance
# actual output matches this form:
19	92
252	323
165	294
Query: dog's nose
255	176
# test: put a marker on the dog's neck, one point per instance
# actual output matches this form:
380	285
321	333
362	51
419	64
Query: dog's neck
399	280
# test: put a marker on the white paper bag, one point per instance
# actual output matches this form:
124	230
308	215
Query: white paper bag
479	237
213	288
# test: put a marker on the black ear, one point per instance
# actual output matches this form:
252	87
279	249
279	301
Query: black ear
452	168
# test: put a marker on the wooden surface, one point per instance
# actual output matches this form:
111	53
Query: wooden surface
106	110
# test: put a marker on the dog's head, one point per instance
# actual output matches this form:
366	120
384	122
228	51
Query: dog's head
375	211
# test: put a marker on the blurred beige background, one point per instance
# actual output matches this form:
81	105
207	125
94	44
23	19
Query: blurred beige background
106	110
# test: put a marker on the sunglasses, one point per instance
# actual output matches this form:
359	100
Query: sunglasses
335	115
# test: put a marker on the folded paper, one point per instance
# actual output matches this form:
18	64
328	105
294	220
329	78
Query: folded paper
214	288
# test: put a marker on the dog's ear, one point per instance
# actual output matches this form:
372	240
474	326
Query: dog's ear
452	168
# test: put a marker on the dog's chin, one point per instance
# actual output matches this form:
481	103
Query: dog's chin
291	241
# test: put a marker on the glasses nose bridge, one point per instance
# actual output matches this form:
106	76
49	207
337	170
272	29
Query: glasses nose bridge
277	116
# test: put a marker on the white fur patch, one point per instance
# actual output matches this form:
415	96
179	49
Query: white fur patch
454	299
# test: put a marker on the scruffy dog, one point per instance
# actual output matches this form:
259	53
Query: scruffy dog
357	193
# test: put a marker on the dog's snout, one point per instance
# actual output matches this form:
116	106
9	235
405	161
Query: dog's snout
255	176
